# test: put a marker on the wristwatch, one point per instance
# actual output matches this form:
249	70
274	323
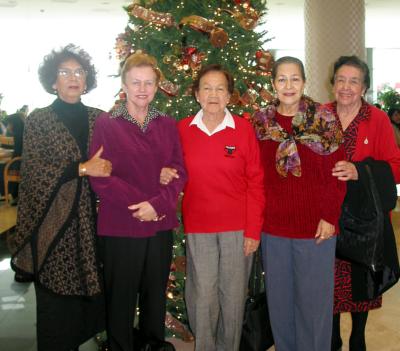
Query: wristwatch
82	170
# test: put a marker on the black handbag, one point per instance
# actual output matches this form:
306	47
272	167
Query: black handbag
256	330
361	234
361	239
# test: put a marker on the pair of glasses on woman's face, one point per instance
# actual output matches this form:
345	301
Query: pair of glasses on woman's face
67	73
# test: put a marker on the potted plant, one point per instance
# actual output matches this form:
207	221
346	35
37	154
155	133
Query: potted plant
389	98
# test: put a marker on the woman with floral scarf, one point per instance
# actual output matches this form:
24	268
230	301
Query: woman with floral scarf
300	144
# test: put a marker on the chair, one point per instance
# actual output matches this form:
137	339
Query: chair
11	175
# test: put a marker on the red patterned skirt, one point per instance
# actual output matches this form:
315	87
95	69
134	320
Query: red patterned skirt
343	299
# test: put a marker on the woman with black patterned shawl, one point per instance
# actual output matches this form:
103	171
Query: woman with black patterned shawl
55	235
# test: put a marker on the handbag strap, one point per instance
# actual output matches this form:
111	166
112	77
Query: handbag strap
256	281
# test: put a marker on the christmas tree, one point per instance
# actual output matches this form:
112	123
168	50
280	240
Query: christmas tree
184	36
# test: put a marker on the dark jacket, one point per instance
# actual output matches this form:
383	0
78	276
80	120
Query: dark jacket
16	121
358	198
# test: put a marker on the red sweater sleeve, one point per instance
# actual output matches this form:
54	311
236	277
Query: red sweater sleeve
255	202
335	190
168	194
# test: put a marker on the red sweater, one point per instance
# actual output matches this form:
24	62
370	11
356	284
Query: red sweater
295	205
375	138
225	190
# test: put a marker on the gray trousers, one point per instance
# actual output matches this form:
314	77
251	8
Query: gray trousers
217	275
299	279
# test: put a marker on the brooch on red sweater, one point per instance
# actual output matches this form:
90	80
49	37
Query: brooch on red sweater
229	150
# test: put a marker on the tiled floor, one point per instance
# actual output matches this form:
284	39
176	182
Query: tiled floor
17	314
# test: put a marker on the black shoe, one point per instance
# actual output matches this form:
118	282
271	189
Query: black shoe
357	344
144	343
337	345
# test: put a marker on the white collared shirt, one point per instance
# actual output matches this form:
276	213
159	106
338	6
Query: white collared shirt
228	121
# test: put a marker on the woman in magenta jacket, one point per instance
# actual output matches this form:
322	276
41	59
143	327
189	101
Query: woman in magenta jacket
137	213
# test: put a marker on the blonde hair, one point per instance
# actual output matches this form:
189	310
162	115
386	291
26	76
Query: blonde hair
140	59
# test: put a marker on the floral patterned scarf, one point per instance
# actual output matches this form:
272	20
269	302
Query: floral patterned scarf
313	126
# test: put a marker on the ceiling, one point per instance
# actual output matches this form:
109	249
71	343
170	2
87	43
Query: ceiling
61	7
87	7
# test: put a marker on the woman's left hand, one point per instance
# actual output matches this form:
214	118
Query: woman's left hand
250	246
143	211
325	231
167	175
97	166
345	170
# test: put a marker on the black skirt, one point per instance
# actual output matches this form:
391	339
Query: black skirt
65	322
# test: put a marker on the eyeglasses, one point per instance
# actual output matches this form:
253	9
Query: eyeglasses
67	73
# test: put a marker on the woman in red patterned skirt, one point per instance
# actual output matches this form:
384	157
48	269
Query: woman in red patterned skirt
367	133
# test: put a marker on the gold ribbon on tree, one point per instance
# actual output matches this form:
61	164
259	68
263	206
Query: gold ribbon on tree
168	87
264	60
160	18
247	20
218	37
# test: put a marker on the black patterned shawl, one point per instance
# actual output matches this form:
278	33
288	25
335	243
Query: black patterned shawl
56	226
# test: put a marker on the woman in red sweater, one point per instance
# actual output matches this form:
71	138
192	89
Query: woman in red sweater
300	144
367	133
222	210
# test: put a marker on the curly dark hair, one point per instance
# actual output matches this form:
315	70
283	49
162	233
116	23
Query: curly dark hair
353	61
214	68
51	62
